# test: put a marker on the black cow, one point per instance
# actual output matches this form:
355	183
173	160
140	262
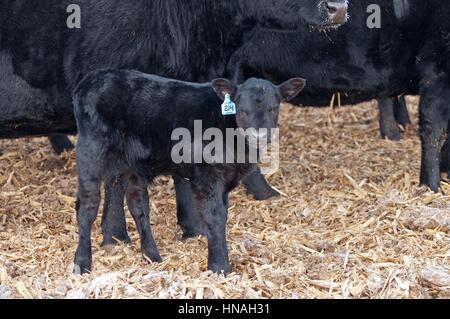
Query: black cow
126	121
15	91
187	40
435	94
408	54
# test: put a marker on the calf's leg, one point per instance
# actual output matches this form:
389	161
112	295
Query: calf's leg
388	125
138	204
188	215
211	198
114	226
88	201
258	187
445	155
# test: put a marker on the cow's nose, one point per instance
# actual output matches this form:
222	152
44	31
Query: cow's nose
337	12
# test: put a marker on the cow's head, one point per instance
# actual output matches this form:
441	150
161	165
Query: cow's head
258	103
296	14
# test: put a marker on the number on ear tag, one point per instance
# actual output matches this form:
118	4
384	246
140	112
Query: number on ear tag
228	106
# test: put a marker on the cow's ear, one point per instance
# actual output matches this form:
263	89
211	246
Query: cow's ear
291	88
224	87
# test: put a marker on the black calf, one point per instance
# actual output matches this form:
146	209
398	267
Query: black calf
126	120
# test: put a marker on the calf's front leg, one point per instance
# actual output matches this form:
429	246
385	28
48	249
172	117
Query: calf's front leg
88	201
257	185
213	201
138	204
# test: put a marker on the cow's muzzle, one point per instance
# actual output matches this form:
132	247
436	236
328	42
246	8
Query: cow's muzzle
337	12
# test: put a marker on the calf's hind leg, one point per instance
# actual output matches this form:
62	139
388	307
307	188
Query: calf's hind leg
88	201
188	215
114	226
138	204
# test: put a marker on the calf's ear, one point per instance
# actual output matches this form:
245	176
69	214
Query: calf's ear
224	87
291	88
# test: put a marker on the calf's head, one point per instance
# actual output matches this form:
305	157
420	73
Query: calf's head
296	14
258	103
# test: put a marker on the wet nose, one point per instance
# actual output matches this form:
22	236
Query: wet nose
337	12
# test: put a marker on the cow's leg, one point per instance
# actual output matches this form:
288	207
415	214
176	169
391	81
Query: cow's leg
434	117
188	215
445	156
211	199
401	112
88	201
60	143
258	187
114	226
138	204
388	125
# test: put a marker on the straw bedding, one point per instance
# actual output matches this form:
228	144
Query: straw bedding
352	223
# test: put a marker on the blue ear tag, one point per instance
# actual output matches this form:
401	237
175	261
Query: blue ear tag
228	106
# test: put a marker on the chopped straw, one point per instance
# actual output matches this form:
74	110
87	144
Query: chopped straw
353	223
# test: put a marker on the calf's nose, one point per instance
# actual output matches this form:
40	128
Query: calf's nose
337	12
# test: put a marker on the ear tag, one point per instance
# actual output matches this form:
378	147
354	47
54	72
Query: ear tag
228	106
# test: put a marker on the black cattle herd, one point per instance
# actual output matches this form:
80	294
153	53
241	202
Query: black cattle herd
360	50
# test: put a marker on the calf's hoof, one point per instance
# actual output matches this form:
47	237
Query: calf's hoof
188	234
219	268
264	193
191	230
152	256
434	186
81	268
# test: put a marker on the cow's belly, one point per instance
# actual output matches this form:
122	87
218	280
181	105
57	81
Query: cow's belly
27	111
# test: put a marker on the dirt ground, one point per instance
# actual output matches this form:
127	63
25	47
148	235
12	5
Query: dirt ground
352	223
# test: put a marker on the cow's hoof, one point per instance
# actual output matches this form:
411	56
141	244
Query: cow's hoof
392	134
